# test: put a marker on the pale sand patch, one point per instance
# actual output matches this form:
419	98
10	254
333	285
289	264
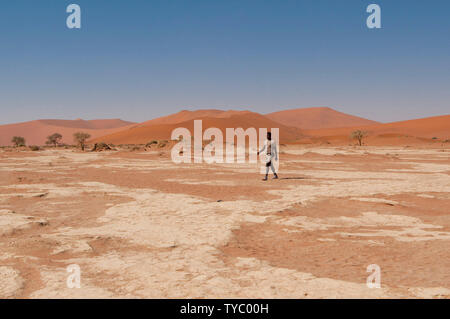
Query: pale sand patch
368	184
375	200
305	223
368	150
406	235
56	286
425	196
5	197
48	161
53	190
326	239
64	156
20	168
399	170
135	164
4	256
429	167
373	219
162	220
199	182
11	222
403	151
68	244
162	275
321	151
413	229
11	283
152	215
349	174
310	161
428	293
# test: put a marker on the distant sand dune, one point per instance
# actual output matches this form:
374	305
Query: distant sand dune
317	118
308	125
162	128
437	126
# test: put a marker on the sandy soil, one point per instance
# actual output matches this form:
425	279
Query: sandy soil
140	226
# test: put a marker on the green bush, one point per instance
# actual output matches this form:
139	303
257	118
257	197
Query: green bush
54	139
18	141
80	138
358	135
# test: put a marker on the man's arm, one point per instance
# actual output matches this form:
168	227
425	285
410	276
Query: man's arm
275	150
263	148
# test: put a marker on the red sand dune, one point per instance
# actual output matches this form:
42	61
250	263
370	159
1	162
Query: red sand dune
184	116
91	124
36	132
162	128
404	131
289	122
317	118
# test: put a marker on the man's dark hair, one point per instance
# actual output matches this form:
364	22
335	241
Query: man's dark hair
269	136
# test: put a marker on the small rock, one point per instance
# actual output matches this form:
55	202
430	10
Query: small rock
41	195
43	223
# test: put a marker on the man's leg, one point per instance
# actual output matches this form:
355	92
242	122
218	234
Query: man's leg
273	170
267	171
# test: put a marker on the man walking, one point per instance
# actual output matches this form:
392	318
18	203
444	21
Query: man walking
271	154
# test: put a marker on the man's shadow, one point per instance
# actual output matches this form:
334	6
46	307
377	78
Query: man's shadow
287	178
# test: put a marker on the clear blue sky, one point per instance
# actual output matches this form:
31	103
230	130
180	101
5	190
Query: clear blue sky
139	59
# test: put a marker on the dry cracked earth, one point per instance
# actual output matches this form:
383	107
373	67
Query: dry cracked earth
140	226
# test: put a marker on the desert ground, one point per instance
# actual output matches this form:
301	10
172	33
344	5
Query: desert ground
140	226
